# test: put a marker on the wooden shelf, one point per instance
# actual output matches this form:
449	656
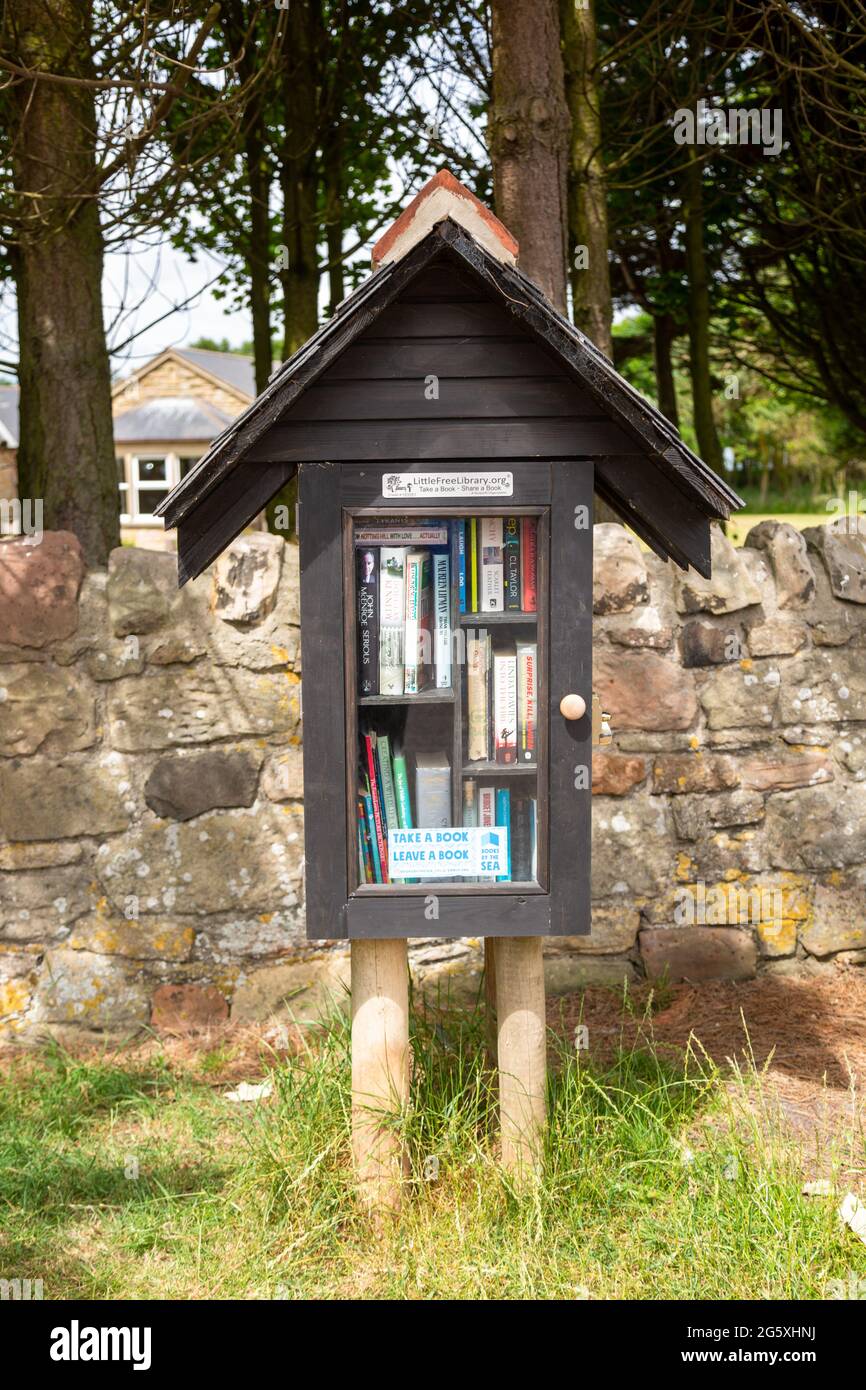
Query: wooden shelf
488	769
424	697
496	619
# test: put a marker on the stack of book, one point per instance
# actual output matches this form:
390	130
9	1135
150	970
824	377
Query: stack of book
497	558
501	700
384	800
403	608
485	804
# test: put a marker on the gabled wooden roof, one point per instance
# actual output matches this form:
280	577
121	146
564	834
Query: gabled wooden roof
222	494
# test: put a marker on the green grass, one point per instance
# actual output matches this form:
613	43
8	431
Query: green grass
660	1182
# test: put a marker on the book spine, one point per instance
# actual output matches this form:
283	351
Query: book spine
520	845
487	806
417	638
529	563
386	782
491	725
401	787
512	563
476	699
473	564
461	564
527	701
368	621
442	615
433	795
365	867
505	706
492	580
381	842
470	801
503	821
391	619
371	833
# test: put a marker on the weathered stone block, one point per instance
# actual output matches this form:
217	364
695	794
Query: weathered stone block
303	989
44	709
776	638
39	583
563	974
239	941
817	827
172	709
51	855
233	861
107	935
283	776
679	773
246	578
102	993
824	686
698	953
838	921
614	774
185	786
619	577
785	549
614	931
39	905
181	1009
141	588
741	696
644	691
633	852
43	800
704	644
843	555
695	816
730	588
774	772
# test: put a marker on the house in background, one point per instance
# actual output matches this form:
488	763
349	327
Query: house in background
165	416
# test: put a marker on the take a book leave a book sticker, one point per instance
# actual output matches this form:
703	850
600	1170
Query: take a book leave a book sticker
472	851
447	484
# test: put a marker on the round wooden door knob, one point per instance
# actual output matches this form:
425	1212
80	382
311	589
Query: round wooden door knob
572	706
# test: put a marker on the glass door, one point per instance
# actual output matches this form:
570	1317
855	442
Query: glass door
447	728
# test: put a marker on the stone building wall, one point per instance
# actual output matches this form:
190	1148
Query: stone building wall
151	796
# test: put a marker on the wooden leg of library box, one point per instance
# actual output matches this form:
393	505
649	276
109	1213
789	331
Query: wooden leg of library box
380	1068
522	1046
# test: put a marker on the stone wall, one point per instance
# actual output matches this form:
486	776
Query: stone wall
151	796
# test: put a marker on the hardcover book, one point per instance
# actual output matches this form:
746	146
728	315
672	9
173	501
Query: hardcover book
513	596
391	619
417	637
505	704
432	789
367	569
529	563
442	619
477	720
527	701
492	580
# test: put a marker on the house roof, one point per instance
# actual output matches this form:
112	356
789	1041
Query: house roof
9	417
170	418
233	370
655	438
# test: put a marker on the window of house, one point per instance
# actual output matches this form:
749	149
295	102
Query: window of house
122	488
143	480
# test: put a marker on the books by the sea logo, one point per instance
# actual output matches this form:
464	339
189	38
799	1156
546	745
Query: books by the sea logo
492	852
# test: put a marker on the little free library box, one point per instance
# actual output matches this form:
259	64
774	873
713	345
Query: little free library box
449	428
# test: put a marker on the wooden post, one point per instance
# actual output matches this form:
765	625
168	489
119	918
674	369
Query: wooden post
490	1039
380	1068
522	1046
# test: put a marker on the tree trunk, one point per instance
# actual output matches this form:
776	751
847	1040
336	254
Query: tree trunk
299	271
587	194
528	133
66	450
258	178
699	318
333	178
664	333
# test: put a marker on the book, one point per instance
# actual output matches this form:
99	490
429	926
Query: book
529	563
477	720
432	789
442	620
415	536
391	619
521	840
371	832
487	806
367	570
511	563
387	793
473	564
366	873
503	820
527	701
470	801
461	563
380	830
418	632
492	579
505	704
401	788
